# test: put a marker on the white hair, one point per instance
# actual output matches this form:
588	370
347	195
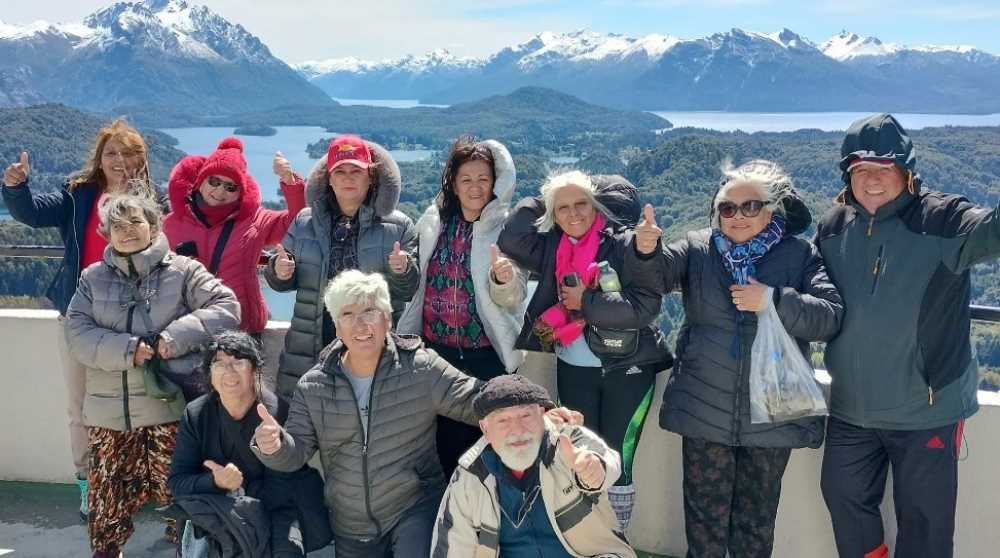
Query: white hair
117	208
557	182
355	287
767	177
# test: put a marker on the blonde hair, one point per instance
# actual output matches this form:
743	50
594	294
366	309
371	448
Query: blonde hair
770	180
355	287
557	182
120	131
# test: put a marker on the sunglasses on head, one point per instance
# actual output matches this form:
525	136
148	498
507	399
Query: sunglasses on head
749	208
215	182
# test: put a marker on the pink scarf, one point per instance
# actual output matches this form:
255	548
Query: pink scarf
565	326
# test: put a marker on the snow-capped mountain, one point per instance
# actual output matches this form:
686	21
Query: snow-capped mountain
736	70
154	53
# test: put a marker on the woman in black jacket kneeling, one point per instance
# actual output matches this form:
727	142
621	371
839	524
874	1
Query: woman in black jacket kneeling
748	260
213	467
589	310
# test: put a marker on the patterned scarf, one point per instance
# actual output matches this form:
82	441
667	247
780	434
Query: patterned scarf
741	259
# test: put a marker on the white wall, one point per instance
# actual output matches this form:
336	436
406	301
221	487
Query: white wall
34	447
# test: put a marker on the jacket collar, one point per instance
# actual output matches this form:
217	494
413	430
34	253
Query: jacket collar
143	262
394	343
887	211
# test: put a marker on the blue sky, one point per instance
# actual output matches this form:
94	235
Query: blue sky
298	30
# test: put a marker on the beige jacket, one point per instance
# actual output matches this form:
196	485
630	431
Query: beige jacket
468	522
186	304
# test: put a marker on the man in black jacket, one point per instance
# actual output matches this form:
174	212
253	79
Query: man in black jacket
904	375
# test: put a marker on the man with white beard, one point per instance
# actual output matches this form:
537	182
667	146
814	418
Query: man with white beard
528	488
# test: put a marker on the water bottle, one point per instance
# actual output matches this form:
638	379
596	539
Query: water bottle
608	279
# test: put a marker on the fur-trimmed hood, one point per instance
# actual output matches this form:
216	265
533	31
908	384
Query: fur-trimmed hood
183	183
387	190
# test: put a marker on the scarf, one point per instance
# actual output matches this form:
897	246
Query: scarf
741	259
559	324
212	215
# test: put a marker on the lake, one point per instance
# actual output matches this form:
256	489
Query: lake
829	121
386	103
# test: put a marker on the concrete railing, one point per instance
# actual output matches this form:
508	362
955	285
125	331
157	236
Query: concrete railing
34	447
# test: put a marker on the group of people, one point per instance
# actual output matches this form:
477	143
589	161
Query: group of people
400	367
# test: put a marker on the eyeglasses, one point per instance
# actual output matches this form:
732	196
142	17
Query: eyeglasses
749	208
230	187
369	316
127	154
241	365
126	226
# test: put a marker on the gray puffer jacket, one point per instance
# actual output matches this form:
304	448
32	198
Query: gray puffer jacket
707	395
371	481
308	243
187	305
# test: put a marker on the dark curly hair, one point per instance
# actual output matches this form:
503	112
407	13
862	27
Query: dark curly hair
465	149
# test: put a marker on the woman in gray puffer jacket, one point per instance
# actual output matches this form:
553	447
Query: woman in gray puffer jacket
350	222
138	322
749	260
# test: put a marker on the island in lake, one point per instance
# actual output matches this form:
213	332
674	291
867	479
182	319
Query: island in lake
255	130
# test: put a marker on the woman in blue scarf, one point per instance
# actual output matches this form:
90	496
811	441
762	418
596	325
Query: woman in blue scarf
748	260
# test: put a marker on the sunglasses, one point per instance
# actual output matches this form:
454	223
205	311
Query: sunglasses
749	208
215	182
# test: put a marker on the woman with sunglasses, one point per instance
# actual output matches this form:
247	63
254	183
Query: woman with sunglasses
119	156
351	222
218	220
748	260
213	464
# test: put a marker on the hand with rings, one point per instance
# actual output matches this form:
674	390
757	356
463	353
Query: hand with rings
749	298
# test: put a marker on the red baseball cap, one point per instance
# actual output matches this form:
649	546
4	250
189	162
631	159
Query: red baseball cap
348	149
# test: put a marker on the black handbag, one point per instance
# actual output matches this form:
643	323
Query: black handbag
612	343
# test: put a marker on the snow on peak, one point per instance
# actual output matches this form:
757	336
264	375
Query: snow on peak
10	31
848	45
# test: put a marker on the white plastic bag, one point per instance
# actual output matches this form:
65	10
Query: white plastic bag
782	383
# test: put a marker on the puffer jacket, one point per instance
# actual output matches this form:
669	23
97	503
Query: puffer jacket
254	228
707	396
469	520
499	306
635	307
372	481
308	242
187	306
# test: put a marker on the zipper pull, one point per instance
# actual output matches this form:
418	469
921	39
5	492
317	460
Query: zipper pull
930	395
871	223
878	263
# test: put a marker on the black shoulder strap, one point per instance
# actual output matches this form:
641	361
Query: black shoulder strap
227	230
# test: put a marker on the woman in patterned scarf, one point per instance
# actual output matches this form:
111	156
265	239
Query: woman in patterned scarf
747	261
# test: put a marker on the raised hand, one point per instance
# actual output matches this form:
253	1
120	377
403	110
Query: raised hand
228	478
284	265
586	464
17	173
501	267
143	352
562	416
398	260
268	433
647	234
282	168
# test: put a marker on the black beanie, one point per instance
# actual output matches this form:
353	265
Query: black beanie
510	390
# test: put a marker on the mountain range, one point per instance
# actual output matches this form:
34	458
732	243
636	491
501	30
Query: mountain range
733	71
155	55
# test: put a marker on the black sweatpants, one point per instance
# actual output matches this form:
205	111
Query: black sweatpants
731	498
454	437
608	401
924	483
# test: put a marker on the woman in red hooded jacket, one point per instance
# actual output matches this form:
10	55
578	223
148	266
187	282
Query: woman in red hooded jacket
212	195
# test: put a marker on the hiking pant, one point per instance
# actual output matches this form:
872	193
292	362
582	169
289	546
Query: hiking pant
731	498
409	538
924	486
614	404
453	437
127	469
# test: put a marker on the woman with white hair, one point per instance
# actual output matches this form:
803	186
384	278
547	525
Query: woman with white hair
600	326
747	261
138	323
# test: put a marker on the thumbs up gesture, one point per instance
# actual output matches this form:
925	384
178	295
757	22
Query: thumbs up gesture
284	265
17	173
647	234
282	168
398	260
228	478
501	267
268	433
586	464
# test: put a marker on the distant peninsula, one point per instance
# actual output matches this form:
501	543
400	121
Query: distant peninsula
255	130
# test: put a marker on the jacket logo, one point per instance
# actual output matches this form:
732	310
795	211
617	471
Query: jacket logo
346	148
616	343
633	370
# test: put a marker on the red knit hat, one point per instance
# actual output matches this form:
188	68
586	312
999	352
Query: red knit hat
348	149
227	160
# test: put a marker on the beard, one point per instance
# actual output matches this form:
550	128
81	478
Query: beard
519	458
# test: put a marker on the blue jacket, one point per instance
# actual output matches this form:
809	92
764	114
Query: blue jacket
66	210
